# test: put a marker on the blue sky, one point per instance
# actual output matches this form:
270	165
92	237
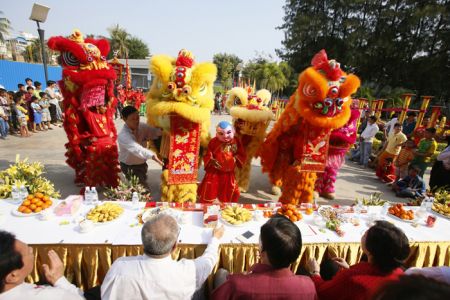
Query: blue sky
244	27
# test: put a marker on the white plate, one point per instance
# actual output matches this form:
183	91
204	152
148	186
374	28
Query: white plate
400	219
107	222
439	214
150	213
17	213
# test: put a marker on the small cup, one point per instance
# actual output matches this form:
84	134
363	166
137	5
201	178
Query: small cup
430	221
86	226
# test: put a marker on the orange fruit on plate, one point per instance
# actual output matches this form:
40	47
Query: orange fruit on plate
289	213
49	202
38	209
29	197
22	208
39	195
35	200
46	198
26	203
44	206
33	206
39	203
293	218
27	211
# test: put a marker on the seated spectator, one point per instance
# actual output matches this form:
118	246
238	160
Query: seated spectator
280	245
425	149
411	186
17	262
386	172
155	275
413	287
385	246
440	172
438	273
405	156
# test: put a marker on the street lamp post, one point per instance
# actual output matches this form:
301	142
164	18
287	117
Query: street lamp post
39	14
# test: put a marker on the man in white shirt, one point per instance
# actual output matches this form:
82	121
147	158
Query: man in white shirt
389	126
17	262
366	140
132	140
155	275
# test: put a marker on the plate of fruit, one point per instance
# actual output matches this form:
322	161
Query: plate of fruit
291	212
441	204
33	205
235	215
105	213
398	212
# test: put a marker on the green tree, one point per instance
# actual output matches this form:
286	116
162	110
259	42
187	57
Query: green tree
137	48
118	40
268	74
227	68
5	26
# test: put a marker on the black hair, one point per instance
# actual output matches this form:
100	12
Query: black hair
388	246
281	240
412	113
26	79
373	118
41	94
17	96
30	88
34	98
395	115
128	110
10	258
413	287
37	83
397	125
431	130
20	85
328	268
50	82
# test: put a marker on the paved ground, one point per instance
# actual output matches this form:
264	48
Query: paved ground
48	148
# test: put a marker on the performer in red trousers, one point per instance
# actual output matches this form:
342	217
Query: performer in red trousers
224	154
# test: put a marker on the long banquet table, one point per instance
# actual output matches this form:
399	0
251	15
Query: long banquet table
88	256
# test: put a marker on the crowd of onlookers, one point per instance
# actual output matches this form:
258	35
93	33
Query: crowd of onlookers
406	151
30	109
380	275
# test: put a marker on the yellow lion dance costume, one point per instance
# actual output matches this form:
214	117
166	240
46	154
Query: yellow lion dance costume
180	102
297	146
251	116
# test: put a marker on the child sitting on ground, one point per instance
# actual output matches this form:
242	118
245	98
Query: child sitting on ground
412	186
405	156
387	172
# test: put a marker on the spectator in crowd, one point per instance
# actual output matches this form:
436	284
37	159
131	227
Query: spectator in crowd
385	246
4	126
392	147
389	126
425	149
414	287
37	114
364	120
386	172
5	105
409	124
155	275
218	103
45	105
411	186
132	141
280	245
54	99
28	101
366	139
440	172
17	262
21	115
419	132
29	82
405	156
37	89
30	92
438	273
21	88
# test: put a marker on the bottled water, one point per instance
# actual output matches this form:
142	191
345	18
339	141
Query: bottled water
15	194
94	195
385	209
23	192
87	195
135	200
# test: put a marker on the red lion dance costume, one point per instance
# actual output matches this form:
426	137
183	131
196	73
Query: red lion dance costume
89	106
296	148
341	140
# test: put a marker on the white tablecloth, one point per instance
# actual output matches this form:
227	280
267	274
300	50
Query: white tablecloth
126	231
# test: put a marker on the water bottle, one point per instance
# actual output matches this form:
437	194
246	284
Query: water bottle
15	194
94	195
23	192
135	200
385	209
87	195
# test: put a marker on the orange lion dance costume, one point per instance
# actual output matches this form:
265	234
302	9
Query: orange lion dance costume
89	106
297	146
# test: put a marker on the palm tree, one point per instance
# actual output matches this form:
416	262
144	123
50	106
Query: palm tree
119	38
4	27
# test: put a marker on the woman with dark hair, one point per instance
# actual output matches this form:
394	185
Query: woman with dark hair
440	172
385	246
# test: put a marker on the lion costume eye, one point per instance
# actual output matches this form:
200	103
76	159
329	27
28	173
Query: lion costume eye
171	86
309	90
202	90
69	59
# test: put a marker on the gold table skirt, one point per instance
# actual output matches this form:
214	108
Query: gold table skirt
87	265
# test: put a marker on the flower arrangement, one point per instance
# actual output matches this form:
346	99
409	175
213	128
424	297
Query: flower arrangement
124	191
27	174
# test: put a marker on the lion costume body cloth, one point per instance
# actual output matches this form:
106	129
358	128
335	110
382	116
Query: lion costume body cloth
251	116
89	107
296	148
180	102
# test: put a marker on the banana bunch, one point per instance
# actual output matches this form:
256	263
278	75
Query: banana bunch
374	200
236	215
443	209
442	196
104	212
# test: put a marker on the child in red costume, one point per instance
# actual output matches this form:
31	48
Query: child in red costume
387	172
224	154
